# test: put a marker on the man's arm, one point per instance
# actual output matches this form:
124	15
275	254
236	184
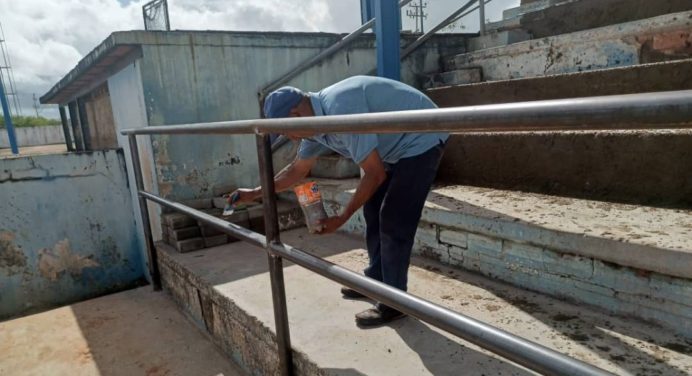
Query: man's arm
373	177
285	179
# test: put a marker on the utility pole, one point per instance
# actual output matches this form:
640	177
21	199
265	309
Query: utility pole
418	13
36	104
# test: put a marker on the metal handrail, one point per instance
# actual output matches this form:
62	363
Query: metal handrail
635	111
524	352
671	109
343	42
455	16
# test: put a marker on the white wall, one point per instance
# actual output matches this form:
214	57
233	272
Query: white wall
31	136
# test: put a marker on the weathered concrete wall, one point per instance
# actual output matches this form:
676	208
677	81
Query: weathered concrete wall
204	77
31	136
72	237
127	100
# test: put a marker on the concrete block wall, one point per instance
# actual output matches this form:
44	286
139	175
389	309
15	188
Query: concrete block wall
617	289
246	339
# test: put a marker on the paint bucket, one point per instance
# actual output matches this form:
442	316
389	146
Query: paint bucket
310	201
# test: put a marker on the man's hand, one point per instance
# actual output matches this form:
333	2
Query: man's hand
332	224
245	195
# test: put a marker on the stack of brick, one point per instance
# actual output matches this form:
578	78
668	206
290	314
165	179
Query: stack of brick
186	234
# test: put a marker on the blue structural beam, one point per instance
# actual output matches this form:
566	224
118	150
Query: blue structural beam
8	121
367	10
387	26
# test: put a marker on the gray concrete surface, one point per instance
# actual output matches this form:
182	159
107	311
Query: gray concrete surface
644	167
137	332
229	287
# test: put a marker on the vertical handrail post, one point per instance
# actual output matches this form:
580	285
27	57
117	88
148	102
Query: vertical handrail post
144	212
276	273
481	13
66	129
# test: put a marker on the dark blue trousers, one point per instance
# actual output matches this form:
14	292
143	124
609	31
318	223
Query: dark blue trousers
392	215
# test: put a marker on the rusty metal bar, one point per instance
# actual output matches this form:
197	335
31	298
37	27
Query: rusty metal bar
668	109
276	271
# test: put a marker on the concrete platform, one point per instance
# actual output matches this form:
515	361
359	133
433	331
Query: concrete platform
136	332
625	259
226	289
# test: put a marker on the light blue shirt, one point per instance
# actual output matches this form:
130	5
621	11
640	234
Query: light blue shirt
365	94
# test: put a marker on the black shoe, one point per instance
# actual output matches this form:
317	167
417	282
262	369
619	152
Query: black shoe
377	316
351	294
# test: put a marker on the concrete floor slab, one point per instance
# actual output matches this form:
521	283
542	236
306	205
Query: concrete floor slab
323	329
136	332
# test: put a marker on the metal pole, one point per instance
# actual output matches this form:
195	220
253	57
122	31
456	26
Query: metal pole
11	135
66	129
76	129
144	212
387	27
481	13
276	273
671	109
517	349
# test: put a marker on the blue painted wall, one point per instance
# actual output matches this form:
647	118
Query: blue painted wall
67	230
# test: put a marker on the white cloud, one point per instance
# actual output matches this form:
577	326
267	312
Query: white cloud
46	39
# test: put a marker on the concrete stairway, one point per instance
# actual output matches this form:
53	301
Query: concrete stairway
628	260
225	291
661	38
641	167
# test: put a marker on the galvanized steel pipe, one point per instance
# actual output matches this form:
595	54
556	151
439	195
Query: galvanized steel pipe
669	109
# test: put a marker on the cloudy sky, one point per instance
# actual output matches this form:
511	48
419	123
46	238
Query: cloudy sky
46	39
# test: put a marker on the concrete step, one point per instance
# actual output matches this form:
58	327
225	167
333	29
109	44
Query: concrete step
497	39
553	17
629	260
226	292
662	38
641	78
455	77
533	6
626	166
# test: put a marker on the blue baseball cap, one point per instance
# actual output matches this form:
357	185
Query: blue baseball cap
280	102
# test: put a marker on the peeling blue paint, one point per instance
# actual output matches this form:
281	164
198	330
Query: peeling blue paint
76	231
